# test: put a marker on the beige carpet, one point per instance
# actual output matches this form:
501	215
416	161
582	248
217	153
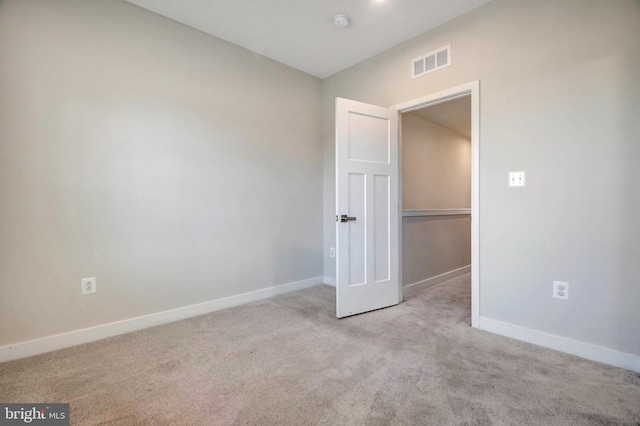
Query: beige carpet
288	361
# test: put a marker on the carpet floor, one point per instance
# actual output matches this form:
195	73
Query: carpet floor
289	361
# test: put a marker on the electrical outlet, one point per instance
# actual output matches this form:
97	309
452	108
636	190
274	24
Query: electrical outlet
88	285
332	252
516	179
560	290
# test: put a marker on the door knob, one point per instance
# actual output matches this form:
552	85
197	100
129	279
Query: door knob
345	218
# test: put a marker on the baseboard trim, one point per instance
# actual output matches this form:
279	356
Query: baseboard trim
330	281
429	282
562	344
91	334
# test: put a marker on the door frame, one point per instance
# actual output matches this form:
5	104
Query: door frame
469	89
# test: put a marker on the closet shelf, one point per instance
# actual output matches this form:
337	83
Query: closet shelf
439	212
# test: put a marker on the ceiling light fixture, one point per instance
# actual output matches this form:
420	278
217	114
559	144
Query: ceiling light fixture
341	21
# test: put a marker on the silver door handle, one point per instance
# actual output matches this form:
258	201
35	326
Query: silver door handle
345	218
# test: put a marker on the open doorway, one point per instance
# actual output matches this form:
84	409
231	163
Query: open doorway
436	194
439	148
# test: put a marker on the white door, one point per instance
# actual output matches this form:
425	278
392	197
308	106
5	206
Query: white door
367	208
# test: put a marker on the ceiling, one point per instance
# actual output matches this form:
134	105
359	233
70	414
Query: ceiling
300	33
454	115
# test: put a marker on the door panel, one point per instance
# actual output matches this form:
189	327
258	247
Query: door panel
367	192
356	231
368	138
382	254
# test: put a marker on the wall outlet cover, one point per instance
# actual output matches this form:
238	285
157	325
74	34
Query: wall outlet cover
561	290
88	285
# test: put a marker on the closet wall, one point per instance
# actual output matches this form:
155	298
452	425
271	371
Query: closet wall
436	174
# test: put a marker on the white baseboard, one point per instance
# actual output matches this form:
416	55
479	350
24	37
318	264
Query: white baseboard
410	289
77	337
562	344
330	281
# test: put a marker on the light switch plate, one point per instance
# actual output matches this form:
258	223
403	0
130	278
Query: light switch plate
516	179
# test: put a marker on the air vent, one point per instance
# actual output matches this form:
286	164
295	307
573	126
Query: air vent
430	62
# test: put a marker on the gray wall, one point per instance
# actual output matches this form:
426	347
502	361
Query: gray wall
436	174
436	166
560	99
173	166
432	246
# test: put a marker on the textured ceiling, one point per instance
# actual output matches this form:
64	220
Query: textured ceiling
300	33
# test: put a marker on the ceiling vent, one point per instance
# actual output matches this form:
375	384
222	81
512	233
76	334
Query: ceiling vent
430	62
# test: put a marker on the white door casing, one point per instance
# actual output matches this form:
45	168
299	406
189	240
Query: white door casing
468	89
367	179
